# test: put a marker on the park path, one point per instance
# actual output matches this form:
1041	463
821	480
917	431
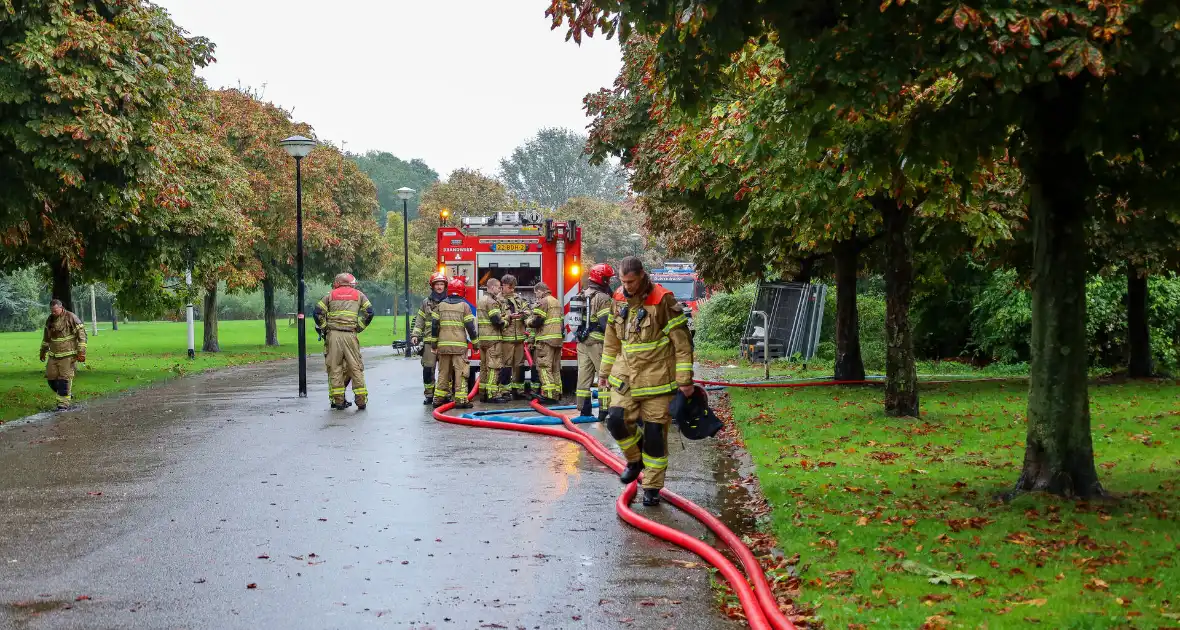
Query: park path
158	509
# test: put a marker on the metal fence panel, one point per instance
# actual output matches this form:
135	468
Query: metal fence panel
795	311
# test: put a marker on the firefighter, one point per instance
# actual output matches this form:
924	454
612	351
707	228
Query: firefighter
547	320
340	316
438	292
513	349
591	335
64	343
646	357
491	324
452	324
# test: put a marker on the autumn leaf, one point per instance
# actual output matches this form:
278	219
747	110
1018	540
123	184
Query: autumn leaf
1096	584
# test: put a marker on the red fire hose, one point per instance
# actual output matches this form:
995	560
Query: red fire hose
759	604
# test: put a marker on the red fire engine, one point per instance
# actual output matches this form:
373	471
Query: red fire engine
522	244
681	279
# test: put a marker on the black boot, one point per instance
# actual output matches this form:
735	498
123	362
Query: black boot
587	407
631	472
651	497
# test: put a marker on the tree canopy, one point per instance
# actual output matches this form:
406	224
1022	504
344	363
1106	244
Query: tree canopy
553	167
390	173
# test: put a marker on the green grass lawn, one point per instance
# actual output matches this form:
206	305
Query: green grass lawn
146	352
885	511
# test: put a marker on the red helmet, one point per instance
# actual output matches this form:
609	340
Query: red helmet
601	273
456	287
437	276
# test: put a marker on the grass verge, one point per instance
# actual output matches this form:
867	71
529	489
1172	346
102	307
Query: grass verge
141	353
898	526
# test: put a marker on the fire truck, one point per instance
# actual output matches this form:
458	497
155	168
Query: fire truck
681	279
523	244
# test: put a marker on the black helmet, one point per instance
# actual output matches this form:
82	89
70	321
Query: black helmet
693	416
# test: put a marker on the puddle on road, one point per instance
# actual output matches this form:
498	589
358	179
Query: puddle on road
23	611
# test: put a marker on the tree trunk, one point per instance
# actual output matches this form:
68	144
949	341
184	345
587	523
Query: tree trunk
209	319
901	378
61	284
1138	330
114	318
849	364
1059	453
268	299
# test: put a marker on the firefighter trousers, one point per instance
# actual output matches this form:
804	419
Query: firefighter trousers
452	377
429	361
513	355
589	366
490	361
548	360
640	426
59	372
345	365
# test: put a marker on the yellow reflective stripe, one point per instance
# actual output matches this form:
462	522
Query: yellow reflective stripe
360	392
367	304
654	462
674	322
646	347
468	318
614	381
453	344
605	311
627	443
61	355
346	314
52	339
583	393
494	311
608	360
447	322
547	337
597	336
553	320
322	304
639	392
541	312
337	390
683	367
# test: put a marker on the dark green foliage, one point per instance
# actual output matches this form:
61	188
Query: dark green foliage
390	173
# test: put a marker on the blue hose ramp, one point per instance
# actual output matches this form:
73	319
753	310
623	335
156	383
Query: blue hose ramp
501	415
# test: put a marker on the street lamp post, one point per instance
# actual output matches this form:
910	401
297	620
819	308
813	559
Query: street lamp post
405	193
298	147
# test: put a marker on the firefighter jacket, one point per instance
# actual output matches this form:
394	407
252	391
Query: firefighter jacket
647	344
490	320
598	308
547	317
452	324
514	328
423	318
65	336
343	310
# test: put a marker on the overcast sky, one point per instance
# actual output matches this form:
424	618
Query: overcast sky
457	83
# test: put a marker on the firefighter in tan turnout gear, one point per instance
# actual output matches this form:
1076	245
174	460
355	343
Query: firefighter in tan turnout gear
340	316
491	324
591	335
512	349
64	343
438	293
453	325
646	358
546	317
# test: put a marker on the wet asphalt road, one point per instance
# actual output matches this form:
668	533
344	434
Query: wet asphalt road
158	509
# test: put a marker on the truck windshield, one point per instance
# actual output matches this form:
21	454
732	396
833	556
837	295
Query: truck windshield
682	289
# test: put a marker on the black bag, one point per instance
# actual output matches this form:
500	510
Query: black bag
693	415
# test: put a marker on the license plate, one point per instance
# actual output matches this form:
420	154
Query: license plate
510	247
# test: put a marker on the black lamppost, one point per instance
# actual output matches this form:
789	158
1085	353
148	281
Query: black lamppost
405	193
298	147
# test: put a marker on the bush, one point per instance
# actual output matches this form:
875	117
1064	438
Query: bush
722	318
21	309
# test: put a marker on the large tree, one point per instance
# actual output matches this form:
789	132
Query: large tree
390	173
1056	81
339	201
552	168
87	89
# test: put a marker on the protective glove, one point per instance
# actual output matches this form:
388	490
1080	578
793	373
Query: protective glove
42	356
81	357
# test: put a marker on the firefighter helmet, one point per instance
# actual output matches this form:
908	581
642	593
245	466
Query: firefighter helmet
437	276
344	280
456	287
601	273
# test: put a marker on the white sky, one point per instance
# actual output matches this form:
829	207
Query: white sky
457	83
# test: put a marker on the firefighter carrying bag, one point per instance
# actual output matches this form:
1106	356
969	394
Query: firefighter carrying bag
693	416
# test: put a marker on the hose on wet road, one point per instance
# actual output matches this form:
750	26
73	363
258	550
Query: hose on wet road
757	601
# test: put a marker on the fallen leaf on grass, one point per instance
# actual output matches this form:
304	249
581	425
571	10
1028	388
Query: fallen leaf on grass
933	598
936	576
1034	602
862	521
1096	584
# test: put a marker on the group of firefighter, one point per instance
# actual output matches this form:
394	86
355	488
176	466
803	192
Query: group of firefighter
635	340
